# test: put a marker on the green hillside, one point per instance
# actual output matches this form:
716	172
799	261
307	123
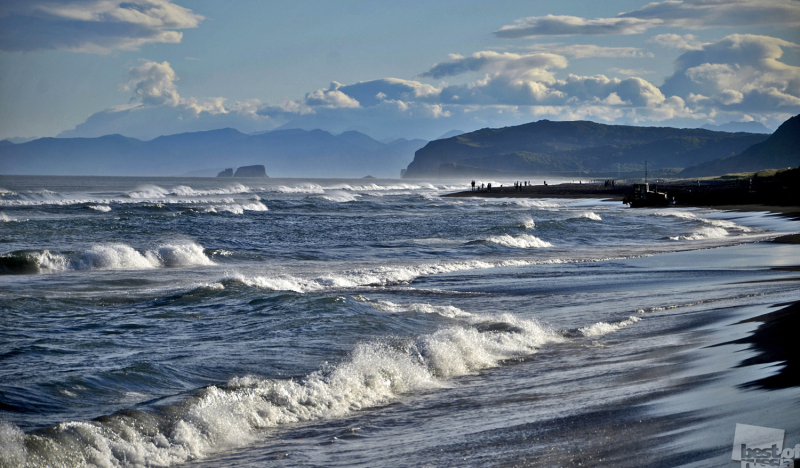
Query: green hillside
552	147
780	150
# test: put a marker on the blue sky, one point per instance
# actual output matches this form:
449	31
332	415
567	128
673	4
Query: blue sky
413	69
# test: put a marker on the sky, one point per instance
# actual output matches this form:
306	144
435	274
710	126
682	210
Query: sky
413	69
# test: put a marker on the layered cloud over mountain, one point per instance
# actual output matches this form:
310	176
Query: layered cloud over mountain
737	77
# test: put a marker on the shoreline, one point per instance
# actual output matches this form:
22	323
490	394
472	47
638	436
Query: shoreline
725	196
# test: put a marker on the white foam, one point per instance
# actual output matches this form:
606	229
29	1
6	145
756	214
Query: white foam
12	445
720	223
704	233
236	414
48	261
527	203
603	328
100	208
303	188
590	215
528	222
521	241
113	257
377	188
179	255
379	276
237	208
5	219
421	308
123	257
726	224
677	214
147	191
340	197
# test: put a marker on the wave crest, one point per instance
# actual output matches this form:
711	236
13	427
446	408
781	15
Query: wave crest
521	241
104	257
603	328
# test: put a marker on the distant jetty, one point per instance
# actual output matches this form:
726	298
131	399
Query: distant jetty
775	190
245	171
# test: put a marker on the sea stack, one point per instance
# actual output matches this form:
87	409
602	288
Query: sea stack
226	173
251	171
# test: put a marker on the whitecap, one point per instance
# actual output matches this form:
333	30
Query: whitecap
148	192
340	197
589	215
704	233
603	328
521	241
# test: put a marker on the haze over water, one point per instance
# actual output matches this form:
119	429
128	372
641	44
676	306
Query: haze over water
286	322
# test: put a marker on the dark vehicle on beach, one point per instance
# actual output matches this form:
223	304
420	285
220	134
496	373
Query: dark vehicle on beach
643	197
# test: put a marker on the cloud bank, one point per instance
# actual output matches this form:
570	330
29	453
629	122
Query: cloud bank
692	14
93	26
156	108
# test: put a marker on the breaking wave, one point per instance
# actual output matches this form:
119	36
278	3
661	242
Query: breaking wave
603	328
340	197
100	208
720	223
186	191
379	276
589	215
304	188
527	223
236	208
104	257
421	308
521	241
235	414
704	233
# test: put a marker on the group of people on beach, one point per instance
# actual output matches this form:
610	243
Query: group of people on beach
611	183
480	187
517	186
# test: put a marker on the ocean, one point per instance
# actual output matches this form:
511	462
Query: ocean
373	323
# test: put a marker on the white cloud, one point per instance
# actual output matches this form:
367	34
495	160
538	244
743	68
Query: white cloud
93	26
552	25
676	41
330	97
590	50
692	14
495	62
211	105
697	14
630	71
153	83
741	72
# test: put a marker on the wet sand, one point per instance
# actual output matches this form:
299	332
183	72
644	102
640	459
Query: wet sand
774	340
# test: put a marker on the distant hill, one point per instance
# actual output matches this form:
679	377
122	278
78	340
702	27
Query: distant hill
780	150
451	134
734	127
285	153
578	146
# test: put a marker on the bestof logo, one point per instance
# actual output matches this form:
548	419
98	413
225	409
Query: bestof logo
757	447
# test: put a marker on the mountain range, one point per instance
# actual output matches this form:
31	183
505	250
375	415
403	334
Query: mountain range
569	148
735	127
543	147
285	153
